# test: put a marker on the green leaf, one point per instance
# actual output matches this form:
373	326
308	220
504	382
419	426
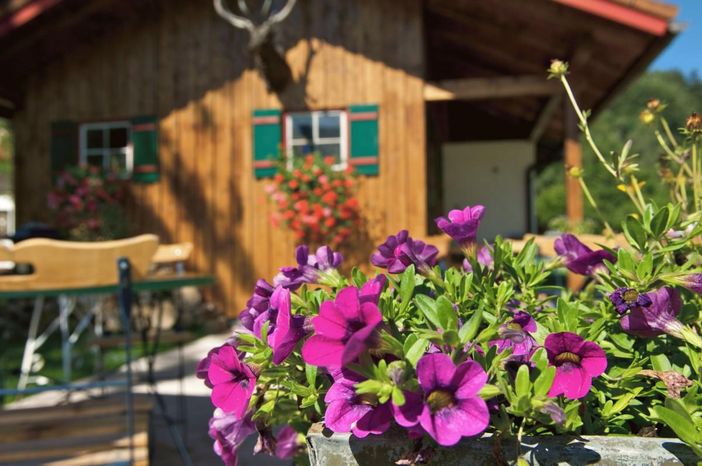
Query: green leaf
311	375
398	398
429	309
634	232
489	391
470	328
446	313
682	426
406	287
660	222
416	351
543	382
522	384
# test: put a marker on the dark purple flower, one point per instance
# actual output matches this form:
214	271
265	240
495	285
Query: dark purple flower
371	290
257	304
658	318
462	225
228	432
579	258
484	258
233	381
344	329
577	361
350	412
693	282
325	258
451	406
309	267
287	443
399	251
625	299
516	334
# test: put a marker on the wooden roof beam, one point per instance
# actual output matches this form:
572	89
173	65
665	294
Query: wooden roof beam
490	88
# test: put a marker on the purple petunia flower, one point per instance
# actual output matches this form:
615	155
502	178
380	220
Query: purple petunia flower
462	225
309	267
451	407
577	361
516	334
351	412
286	443
625	299
579	258
284	330
257	304
233	382
203	366
658	318
344	329
484	257
399	251
228	432
693	282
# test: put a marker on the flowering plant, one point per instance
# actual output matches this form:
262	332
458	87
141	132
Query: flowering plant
87	204
491	346
314	200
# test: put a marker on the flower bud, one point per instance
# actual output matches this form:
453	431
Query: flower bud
654	105
647	117
397	371
694	123
557	69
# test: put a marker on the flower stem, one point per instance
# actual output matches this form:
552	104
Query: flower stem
585	128
669	133
592	202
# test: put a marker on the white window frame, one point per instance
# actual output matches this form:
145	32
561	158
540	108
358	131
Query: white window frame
106	151
342	140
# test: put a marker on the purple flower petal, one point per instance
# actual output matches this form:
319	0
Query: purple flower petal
435	370
469	378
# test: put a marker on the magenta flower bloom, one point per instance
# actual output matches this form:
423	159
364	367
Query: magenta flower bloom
309	267
516	334
344	329
286	443
349	412
658	318
203	366
579	258
232	381
229	432
577	361
324	259
625	299
371	290
399	251
451	406
462	225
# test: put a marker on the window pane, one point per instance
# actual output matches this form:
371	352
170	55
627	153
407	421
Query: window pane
302	149
330	149
302	126
329	126
118	162
95	160
118	137
94	138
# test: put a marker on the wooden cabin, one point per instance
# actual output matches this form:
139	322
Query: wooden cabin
449	98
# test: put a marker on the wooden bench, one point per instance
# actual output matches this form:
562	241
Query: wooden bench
91	432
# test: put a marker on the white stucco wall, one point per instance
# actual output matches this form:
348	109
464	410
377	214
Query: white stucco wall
493	174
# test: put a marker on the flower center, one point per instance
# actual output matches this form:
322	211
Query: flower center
440	399
514	326
630	296
368	399
567	356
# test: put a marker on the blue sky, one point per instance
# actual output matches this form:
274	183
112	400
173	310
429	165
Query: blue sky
685	52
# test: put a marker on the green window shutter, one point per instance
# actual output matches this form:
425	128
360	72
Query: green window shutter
144	134
64	145
267	139
364	147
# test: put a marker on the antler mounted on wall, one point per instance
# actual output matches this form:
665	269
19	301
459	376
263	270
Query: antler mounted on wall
269	58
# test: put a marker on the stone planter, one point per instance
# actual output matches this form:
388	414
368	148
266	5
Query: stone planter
328	449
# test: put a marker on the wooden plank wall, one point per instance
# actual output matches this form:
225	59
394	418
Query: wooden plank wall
191	68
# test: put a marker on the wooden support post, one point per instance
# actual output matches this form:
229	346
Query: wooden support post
572	158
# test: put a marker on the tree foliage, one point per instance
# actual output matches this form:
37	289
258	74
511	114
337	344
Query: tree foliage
620	122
